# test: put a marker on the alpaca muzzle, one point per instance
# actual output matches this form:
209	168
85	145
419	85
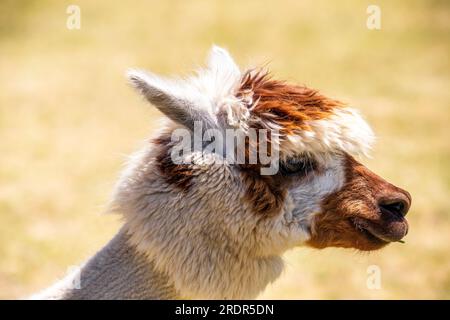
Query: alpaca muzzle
390	224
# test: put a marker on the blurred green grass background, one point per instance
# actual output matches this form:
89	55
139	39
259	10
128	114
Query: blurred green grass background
67	118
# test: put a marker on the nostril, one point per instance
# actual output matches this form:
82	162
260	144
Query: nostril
397	208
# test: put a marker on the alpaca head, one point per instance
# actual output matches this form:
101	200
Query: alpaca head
311	191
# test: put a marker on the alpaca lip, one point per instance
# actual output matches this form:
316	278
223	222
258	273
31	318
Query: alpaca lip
391	231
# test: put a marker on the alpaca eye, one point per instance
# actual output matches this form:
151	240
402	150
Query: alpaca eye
297	166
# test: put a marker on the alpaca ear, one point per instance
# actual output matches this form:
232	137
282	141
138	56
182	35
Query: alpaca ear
220	62
170	98
192	99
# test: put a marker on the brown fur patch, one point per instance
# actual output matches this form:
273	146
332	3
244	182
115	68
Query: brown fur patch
290	106
266	194
333	227
179	175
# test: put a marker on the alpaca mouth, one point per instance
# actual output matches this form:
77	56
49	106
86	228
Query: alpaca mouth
384	231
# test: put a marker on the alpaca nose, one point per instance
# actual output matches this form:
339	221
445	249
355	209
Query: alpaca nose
395	205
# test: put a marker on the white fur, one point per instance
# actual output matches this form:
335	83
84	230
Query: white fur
309	194
344	131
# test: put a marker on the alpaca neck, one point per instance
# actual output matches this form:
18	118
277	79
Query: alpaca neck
118	271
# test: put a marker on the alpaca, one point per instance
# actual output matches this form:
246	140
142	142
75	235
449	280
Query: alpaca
207	229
